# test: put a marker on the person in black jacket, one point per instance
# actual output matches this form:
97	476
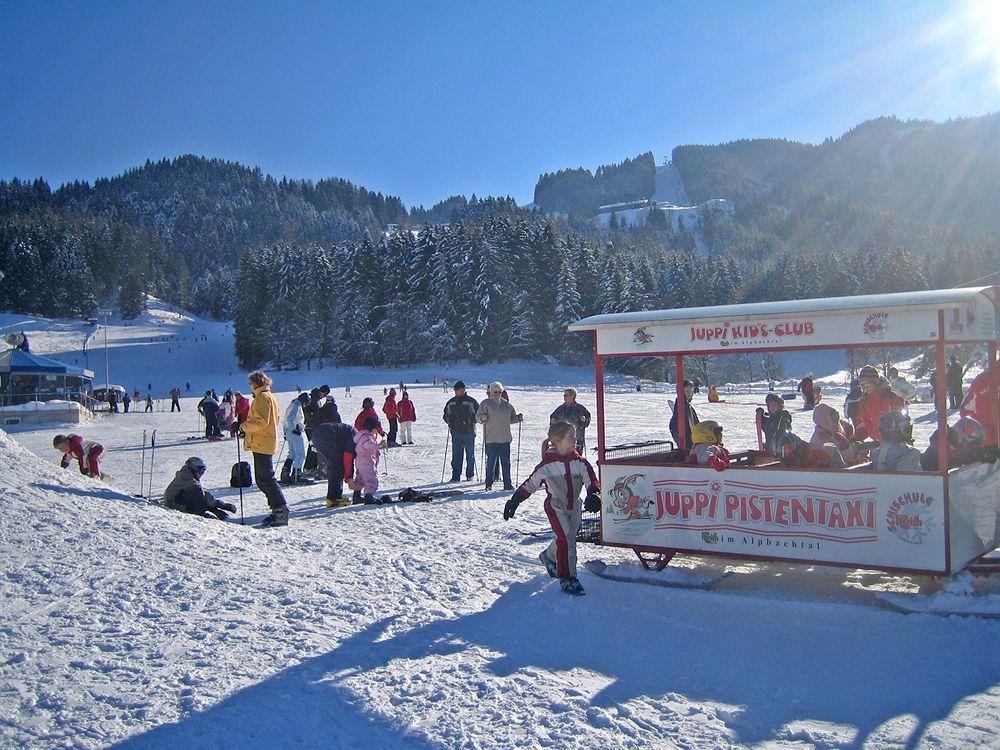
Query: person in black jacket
953	379
774	422
690	416
574	413
460	414
335	443
208	407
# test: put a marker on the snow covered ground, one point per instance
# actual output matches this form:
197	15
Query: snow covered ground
126	625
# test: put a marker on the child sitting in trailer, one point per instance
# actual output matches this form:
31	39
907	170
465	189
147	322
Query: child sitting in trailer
713	395
796	453
564	473
967	444
86	452
831	430
896	451
708	449
774	422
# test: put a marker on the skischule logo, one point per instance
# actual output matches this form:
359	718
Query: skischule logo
876	325
642	336
909	517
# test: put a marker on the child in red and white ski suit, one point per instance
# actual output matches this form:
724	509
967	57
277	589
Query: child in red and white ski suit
86	452
366	462
564	473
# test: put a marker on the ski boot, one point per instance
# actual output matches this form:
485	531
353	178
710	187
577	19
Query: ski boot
572	586
371	500
357	499
278	517
549	563
337	502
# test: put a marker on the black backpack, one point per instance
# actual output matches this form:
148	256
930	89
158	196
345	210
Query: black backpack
240	476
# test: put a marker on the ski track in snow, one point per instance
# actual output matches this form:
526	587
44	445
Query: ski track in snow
426	625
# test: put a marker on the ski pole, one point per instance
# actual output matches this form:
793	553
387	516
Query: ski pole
519	453
152	457
142	474
239	465
482	460
444	461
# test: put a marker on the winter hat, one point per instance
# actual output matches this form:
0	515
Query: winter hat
392	393
496	387
896	427
371	423
303	398
324	389
971	428
826	418
367	403
459	384
868	372
774	397
405	394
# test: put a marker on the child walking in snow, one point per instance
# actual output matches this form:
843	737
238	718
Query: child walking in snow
366	465
564	473
86	452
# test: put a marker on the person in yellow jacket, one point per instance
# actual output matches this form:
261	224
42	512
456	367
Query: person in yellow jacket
260	430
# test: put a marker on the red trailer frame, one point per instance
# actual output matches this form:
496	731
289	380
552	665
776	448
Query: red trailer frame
958	529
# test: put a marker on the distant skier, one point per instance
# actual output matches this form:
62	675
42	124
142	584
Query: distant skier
407	416
806	387
953	378
126	402
391	411
564	473
575	414
208	407
295	429
149	402
86	452
175	402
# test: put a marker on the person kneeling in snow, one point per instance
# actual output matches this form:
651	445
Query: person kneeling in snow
86	452
185	493
564	473
708	448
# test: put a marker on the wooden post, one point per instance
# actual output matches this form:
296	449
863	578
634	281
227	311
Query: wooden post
681	405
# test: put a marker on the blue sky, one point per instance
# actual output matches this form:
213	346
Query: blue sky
427	100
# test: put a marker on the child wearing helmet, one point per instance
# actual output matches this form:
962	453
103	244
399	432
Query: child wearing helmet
186	494
708	449
896	452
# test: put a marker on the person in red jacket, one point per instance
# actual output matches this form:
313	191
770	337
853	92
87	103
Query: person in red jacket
407	416
86	452
982	402
391	412
878	398
367	410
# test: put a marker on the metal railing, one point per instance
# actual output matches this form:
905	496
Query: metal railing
10	399
638	450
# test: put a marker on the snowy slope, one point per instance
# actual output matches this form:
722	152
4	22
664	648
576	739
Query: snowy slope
127	625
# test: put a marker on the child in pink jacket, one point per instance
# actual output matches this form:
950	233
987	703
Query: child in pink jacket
366	463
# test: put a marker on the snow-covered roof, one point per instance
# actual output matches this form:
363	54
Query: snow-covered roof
927	300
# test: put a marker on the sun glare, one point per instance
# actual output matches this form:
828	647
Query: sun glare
984	29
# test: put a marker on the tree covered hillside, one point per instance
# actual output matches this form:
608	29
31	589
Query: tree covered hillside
920	185
171	227
579	191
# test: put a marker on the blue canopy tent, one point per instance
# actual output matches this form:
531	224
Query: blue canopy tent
29	377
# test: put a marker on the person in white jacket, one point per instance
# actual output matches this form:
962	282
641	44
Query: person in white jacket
295	435
901	385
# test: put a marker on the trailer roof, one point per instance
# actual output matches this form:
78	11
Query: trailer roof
930	299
